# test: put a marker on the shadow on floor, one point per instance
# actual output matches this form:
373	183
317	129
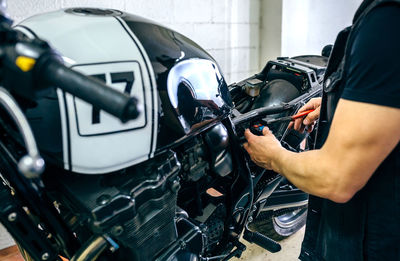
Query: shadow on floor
290	250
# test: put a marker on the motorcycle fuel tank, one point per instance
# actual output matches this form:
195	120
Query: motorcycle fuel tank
179	86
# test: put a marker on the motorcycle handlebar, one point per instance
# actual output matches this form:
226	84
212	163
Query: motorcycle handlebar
51	71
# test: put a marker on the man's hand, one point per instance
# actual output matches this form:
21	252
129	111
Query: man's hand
309	121
262	149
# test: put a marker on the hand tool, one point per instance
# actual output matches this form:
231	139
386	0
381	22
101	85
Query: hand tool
287	118
257	129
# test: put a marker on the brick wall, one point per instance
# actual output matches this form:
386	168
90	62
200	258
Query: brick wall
227	29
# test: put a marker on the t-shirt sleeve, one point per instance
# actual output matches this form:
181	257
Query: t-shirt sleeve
374	64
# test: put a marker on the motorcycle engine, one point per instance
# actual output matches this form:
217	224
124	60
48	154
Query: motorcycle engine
173	199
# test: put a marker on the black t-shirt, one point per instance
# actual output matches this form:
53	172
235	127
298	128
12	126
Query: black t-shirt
373	76
374	64
368	226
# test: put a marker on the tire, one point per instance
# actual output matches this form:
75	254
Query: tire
280	225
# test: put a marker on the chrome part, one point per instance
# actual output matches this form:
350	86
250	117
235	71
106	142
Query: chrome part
286	205
25	50
180	213
220	257
287	220
253	87
31	165
45	256
3	8
12	217
195	90
87	11
91	250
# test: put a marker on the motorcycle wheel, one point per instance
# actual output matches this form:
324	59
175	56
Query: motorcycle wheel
280	224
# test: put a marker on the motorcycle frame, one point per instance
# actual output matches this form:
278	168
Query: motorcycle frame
59	239
38	203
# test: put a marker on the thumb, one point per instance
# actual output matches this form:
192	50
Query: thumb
248	134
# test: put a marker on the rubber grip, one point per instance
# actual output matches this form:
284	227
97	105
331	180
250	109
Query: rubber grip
262	241
53	72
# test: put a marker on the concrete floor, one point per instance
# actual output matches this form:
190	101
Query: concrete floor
5	238
290	250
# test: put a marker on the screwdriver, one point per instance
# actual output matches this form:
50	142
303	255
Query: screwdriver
287	118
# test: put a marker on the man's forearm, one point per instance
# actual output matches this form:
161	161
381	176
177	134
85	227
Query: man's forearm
313	172
361	136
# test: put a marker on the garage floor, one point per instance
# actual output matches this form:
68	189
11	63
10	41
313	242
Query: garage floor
290	250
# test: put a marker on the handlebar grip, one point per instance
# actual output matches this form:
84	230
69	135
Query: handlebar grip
51	71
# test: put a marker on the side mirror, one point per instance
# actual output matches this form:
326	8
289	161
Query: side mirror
326	51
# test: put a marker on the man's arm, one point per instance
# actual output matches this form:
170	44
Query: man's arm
362	135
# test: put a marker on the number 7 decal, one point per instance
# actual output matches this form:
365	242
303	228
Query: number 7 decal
127	77
118	77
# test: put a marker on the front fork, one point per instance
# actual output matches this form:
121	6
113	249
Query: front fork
31	165
22	194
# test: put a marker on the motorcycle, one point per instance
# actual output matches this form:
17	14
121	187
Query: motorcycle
128	146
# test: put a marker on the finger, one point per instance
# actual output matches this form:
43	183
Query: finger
265	130
308	106
291	124
301	130
312	104
316	102
311	117
310	128
298	123
246	146
248	134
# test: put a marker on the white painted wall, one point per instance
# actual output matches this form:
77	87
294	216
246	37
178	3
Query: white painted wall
227	29
240	34
309	25
270	30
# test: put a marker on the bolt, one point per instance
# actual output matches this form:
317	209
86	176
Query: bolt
31	167
117	230
183	244
45	256
175	186
103	199
112	249
250	219
12	217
